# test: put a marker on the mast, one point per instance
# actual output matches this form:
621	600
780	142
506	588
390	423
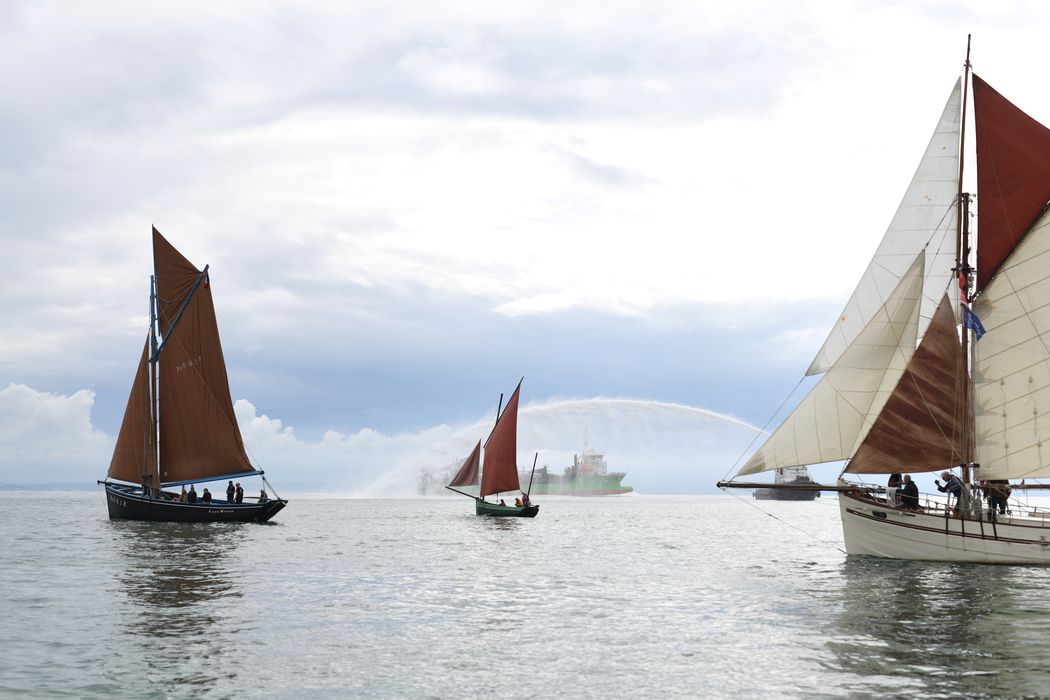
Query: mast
963	269
154	454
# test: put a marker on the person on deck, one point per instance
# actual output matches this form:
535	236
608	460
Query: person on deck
230	492
892	486
239	498
997	491
952	485
909	494
206	498
191	497
502	502
183	496
525	500
517	502
262	496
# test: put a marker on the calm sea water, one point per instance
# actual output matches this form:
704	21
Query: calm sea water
622	597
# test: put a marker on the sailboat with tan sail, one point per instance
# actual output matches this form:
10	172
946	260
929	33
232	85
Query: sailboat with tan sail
499	474
941	359
179	427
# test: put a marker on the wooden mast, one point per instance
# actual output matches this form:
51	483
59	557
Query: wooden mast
963	269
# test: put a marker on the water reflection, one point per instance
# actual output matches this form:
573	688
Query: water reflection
178	577
943	629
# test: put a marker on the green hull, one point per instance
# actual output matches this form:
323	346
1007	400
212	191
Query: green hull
496	510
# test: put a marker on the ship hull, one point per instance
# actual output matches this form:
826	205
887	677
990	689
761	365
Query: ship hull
785	494
871	527
495	510
127	503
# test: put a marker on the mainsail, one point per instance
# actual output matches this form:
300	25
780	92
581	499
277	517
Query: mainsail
500	472
925	220
198	434
1012	368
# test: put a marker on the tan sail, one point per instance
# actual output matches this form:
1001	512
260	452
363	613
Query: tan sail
920	426
134	459
500	472
468	473
199	437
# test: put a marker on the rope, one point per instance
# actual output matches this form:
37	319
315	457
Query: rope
812	536
763	429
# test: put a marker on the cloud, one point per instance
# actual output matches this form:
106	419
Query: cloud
664	448
48	438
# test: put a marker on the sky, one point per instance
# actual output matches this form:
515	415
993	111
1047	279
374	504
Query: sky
653	211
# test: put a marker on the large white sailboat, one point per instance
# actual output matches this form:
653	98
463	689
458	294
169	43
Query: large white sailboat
940	360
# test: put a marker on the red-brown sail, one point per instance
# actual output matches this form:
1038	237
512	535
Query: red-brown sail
1013	176
919	428
500	474
199	437
468	473
133	457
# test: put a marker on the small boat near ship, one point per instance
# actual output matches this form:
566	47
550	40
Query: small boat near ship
795	476
499	472
179	426
588	475
940	361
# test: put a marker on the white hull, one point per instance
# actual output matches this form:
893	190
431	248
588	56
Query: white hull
871	527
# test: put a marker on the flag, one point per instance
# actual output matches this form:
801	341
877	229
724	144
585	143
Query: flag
971	321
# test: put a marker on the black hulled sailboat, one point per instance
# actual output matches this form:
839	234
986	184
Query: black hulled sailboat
179	426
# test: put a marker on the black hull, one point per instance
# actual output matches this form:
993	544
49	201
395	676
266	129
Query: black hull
128	504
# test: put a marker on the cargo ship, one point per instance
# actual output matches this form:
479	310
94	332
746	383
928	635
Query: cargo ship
589	475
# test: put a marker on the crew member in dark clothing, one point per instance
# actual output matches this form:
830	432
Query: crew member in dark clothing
998	493
952	485
909	494
207	495
191	497
239	498
230	492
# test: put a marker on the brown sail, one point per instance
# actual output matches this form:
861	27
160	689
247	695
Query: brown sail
1013	175
501	452
468	473
919	429
199	437
134	457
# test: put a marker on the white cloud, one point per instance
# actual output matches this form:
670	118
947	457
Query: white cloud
47	438
665	448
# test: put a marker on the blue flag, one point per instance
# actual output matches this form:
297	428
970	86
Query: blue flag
971	321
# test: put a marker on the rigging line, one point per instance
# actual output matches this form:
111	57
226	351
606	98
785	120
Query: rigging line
785	522
763	429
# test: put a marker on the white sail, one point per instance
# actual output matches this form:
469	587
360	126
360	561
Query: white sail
1012	364
832	420
926	219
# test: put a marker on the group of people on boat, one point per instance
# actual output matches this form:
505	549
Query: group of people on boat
234	494
902	491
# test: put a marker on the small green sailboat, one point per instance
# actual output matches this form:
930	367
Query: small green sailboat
500	472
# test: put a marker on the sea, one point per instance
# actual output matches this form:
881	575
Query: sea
624	597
